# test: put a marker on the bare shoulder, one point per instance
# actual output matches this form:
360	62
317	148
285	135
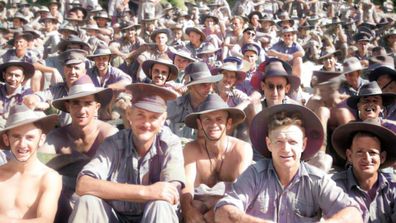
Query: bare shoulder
192	150
240	146
50	176
106	129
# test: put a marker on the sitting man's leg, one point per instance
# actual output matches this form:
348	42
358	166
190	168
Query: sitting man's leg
90	208
160	212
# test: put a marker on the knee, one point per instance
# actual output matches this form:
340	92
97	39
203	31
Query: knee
297	61
158	204
87	199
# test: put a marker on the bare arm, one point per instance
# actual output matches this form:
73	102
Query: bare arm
128	192
230	213
190	213
346	215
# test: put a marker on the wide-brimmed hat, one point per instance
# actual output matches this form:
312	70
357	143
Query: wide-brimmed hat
285	17
333	21
54	2
288	30
49	17
321	77
239	66
28	68
68	27
158	31
391	32
173	71
19	15
21	115
351	64
183	52
311	123
207	48
210	15
29	29
381	65
73	39
196	30
127	25
252	13
83	10
102	14
214	103
91	26
371	89
81	88
42	9
199	73
267	18
328	52
275	67
101	50
362	36
343	135
151	97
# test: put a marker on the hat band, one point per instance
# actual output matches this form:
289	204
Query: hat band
200	76
81	88
18	117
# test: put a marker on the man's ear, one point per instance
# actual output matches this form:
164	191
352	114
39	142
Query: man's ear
348	154
198	120
383	156
6	140
305	141
229	124
287	88
268	142
42	139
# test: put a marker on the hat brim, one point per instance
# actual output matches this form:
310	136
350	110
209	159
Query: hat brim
148	64
237	116
194	29
381	70
211	79
46	123
342	138
313	129
387	99
28	69
335	53
158	31
104	96
62	46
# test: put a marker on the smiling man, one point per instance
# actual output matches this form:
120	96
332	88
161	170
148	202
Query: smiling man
29	190
285	188
368	147
219	160
160	71
137	173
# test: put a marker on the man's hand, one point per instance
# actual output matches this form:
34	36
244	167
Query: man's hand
164	191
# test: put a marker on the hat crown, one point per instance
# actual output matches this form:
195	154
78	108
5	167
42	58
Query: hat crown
82	85
212	102
352	64
20	113
197	71
371	88
102	49
74	55
275	69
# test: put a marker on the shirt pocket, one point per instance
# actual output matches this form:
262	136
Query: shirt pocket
306	210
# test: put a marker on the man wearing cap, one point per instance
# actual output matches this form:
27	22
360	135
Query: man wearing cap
14	74
73	69
29	190
139	178
199	87
285	188
368	148
363	42
288	50
105	75
352	70
207	165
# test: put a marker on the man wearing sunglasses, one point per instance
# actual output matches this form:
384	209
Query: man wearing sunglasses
288	50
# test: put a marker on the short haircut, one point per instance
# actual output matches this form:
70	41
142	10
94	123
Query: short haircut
284	119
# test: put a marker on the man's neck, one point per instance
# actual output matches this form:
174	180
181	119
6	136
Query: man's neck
217	147
195	102
20	52
142	147
162	48
11	90
23	167
81	133
286	175
102	73
366	182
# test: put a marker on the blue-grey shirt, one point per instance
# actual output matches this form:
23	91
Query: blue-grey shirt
177	110
310	195
117	160
113	75
382	207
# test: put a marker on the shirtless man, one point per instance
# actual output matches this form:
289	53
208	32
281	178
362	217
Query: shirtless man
28	189
213	159
79	140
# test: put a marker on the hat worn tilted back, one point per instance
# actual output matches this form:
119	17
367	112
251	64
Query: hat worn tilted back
148	65
313	128
21	115
343	135
214	103
150	97
199	74
81	88
371	89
